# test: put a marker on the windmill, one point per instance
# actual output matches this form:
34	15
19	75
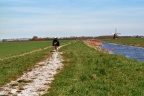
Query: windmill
115	35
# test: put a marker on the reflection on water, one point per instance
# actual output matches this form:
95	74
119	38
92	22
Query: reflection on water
136	53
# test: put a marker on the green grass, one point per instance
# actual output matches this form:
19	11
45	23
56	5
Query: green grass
127	41
10	69
88	72
13	68
14	48
8	49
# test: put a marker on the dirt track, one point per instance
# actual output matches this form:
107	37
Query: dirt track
37	81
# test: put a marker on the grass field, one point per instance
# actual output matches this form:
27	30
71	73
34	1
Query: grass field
127	41
12	68
14	48
88	72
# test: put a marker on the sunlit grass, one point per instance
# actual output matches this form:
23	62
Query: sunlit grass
88	72
15	48
12	68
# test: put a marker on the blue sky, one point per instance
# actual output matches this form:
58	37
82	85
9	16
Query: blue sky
61	18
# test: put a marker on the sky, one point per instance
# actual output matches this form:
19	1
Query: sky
65	18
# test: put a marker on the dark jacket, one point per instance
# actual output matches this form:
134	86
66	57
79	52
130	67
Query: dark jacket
55	42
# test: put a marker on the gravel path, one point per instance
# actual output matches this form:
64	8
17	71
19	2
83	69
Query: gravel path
37	81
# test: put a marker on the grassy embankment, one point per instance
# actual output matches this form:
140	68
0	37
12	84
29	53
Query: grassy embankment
12	68
88	72
127	41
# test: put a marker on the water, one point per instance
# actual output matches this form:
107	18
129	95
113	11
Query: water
136	53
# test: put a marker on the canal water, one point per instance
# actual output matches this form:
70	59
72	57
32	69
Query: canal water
133	52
